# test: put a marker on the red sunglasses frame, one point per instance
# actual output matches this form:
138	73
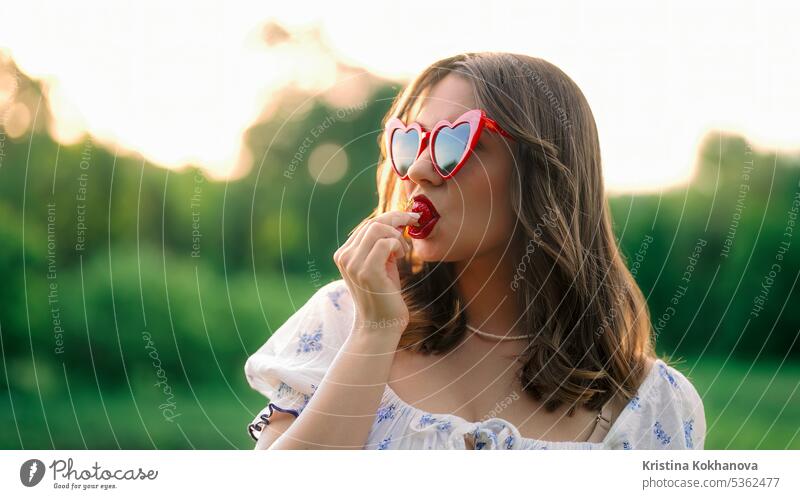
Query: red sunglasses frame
477	120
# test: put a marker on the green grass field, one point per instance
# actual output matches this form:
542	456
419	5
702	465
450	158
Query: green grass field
746	408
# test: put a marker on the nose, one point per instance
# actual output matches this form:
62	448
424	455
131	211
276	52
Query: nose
423	171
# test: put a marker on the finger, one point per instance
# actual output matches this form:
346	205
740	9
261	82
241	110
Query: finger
379	254
394	218
355	236
372	235
398	233
357	233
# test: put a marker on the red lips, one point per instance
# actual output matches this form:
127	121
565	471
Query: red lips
428	217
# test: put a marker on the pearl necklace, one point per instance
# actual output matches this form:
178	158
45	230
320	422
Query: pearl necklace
496	337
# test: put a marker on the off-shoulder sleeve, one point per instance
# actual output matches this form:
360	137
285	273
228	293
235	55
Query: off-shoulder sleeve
289	367
666	413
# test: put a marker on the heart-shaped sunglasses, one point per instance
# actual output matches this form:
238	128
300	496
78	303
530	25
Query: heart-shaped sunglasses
451	143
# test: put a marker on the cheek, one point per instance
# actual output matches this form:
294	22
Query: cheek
486	218
491	220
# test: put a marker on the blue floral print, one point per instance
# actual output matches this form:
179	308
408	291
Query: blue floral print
445	425
687	433
310	342
384	444
426	420
482	437
662	369
307	397
334	296
284	390
387	412
660	434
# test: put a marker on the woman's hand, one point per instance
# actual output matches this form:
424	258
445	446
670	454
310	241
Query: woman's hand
368	264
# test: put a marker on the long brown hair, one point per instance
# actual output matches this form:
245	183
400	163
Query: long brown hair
591	321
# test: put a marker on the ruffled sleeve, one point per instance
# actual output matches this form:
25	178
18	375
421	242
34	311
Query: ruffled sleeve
666	413
289	367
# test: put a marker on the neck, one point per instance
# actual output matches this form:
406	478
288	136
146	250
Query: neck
484	287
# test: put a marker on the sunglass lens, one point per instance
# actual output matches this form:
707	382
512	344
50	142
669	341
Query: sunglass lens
450	145
404	149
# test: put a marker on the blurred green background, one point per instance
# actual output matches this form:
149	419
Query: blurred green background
95	292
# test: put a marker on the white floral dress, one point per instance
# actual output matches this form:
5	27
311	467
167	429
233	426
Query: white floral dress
665	413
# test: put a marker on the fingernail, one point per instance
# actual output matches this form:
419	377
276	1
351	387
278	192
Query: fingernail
415	214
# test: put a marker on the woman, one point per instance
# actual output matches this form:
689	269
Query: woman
496	312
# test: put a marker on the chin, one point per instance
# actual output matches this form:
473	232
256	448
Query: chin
424	250
433	250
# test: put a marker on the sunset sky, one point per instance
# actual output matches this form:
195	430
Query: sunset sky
179	82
